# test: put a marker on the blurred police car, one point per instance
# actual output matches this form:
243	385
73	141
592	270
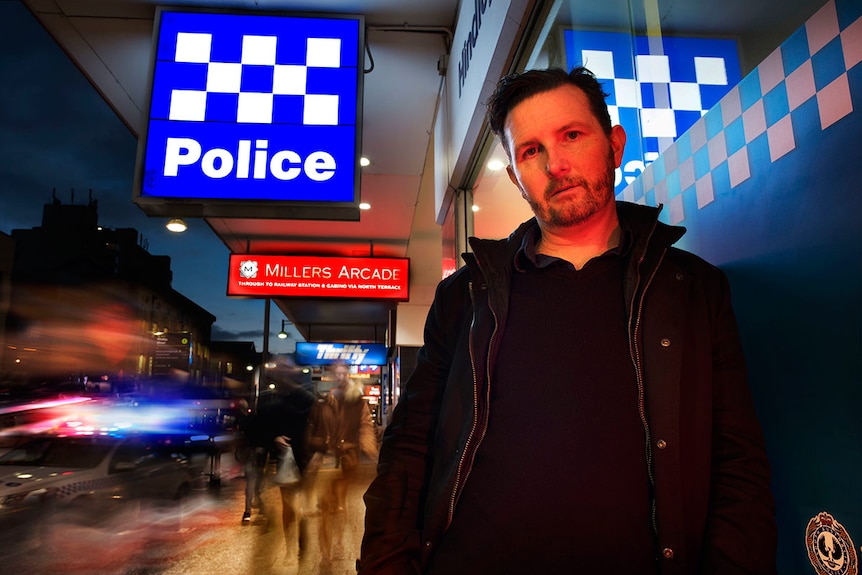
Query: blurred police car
91	472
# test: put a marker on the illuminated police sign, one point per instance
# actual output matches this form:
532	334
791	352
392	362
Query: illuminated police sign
350	353
248	109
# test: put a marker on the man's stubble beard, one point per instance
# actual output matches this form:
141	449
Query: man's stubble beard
597	194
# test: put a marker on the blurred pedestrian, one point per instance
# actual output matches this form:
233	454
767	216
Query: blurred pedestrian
342	431
252	453
286	414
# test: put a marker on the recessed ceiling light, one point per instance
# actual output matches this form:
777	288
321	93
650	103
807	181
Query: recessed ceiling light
364	206
177	225
495	165
364	162
475	208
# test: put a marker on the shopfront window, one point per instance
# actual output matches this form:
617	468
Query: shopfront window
664	64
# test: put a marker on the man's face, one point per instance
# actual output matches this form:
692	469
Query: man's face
560	158
341	376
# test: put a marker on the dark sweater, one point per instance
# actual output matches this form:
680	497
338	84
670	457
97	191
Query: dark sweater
559	483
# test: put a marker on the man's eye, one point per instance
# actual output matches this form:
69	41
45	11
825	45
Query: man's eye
571	135
530	152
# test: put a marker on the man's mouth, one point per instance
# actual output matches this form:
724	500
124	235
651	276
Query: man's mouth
563	189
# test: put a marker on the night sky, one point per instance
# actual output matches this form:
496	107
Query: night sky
57	133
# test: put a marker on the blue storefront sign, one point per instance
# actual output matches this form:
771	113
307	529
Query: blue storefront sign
250	108
349	353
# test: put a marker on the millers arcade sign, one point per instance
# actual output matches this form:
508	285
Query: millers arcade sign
266	276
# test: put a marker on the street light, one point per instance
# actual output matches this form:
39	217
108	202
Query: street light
282	334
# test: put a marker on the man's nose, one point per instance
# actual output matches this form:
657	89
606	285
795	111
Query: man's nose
558	161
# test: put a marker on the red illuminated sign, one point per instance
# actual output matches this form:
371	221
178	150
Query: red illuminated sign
312	276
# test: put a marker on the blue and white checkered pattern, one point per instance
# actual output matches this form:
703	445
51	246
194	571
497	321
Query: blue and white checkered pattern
768	109
655	96
249	88
659	86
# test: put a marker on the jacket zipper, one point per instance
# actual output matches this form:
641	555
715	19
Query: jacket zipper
456	487
460	467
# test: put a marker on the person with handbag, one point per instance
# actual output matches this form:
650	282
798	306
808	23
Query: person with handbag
286	415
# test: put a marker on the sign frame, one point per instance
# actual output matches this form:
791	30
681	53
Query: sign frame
329	353
318	277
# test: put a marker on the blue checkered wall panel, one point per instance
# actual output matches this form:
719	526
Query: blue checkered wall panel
770	108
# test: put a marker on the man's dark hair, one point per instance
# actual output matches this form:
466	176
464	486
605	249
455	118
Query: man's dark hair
515	88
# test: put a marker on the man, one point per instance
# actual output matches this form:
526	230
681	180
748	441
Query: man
343	427
341	430
580	404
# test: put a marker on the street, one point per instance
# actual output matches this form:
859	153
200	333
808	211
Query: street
202	535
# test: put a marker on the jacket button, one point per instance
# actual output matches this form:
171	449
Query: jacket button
661	443
665	342
679	276
427	545
667	552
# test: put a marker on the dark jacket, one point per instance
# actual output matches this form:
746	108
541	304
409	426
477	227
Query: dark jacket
338	426
706	457
287	415
284	414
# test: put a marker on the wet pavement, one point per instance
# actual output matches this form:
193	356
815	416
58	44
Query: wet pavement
203	535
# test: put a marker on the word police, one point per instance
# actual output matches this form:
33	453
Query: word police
220	163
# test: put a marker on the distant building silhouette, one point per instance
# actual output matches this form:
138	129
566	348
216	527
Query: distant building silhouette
92	302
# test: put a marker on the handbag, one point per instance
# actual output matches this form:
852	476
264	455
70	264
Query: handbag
287	472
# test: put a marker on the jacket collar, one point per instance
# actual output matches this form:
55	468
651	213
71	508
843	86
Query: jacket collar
494	257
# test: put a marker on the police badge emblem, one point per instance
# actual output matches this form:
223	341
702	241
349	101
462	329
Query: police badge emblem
830	548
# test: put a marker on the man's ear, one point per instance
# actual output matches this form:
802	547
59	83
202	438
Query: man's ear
618	144
515	181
